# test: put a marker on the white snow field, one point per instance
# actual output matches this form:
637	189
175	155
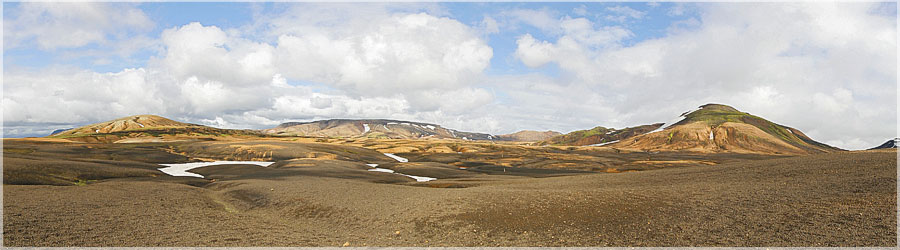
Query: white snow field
398	158
673	121
417	178
180	169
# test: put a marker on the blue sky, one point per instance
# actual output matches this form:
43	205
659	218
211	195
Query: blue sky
484	67
234	15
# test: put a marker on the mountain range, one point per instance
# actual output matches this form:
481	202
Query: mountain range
598	136
721	128
710	128
528	135
383	129
133	123
145	127
892	143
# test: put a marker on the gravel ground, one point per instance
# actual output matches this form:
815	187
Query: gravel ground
837	199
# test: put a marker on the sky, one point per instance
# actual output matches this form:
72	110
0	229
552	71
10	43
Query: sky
827	69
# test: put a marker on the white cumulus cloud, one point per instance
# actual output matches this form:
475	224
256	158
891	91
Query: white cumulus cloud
399	53
374	65
828	69
67	25
820	67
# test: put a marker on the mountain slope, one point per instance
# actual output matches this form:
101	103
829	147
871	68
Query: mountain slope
721	128
598	135
888	144
59	131
528	135
140	128
376	128
130	123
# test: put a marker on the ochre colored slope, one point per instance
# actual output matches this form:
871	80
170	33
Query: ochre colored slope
720	128
529	135
137	122
375	128
598	135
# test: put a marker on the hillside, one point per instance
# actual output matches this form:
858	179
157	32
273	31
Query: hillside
145	128
528	135
721	128
376	128
59	131
130	123
888	144
598	136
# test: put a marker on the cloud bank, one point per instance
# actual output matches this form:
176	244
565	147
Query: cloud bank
827	69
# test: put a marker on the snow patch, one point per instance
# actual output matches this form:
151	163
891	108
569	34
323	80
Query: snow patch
385	127
375	168
365	127
673	121
392	123
601	144
139	124
96	131
180	169
382	170
417	178
430	127
711	137
398	158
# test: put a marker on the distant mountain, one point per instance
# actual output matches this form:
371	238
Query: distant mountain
528	135
598	136
59	131
377	128
888	144
143	126
130	123
721	128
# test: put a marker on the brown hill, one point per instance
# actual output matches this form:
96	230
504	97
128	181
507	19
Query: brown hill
528	135
598	136
721	128
377	128
137	122
892	143
146	128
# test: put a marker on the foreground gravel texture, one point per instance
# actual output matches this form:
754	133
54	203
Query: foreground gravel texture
836	199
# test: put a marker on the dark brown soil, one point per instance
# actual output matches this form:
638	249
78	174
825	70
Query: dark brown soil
839	199
836	199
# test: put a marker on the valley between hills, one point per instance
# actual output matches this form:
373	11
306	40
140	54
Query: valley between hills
713	176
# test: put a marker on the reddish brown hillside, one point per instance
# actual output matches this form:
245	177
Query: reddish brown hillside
137	122
720	128
528	135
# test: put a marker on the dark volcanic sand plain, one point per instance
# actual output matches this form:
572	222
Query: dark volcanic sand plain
68	194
